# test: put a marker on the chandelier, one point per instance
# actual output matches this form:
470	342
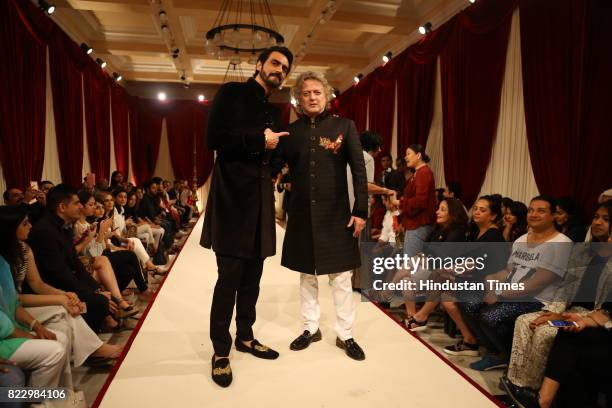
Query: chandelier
241	31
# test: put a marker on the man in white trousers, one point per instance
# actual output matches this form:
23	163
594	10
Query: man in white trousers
322	229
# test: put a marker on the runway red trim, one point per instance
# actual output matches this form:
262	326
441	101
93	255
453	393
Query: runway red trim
130	340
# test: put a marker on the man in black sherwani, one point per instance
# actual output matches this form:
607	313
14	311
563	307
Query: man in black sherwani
322	229
239	222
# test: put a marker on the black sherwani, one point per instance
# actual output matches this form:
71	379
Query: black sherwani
317	238
239	221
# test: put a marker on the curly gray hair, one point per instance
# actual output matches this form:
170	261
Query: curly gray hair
311	75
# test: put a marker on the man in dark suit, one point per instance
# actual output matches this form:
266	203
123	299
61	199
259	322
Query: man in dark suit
322	229
390	178
57	260
239	223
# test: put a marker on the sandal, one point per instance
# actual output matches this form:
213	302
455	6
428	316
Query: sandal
414	325
156	271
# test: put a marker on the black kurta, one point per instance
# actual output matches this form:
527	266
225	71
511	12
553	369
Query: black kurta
317	239
239	218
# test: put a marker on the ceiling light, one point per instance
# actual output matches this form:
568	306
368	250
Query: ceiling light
201	98
387	57
86	48
472	1
186	85
164	27
46	7
425	28
117	77
357	78
161	96
162	14
101	63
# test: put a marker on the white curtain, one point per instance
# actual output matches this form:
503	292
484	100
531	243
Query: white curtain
434	148
51	169
510	172
163	167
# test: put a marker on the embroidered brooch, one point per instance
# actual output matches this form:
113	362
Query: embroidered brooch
329	145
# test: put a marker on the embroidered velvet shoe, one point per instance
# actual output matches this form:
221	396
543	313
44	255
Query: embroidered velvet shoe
351	348
257	349
304	340
221	371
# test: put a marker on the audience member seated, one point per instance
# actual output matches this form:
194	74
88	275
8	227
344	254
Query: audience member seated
57	260
451	226
54	309
150	211
484	229
566	220
583	290
40	353
13	377
539	262
113	269
117	180
33	201
515	221
150	234
377	215
579	362
119	232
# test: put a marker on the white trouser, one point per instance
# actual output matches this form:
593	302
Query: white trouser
45	359
342	292
82	341
140	251
158	234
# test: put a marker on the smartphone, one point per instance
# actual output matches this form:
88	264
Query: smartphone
34	185
562	323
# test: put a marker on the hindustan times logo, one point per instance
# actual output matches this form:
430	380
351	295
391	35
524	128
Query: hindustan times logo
414	263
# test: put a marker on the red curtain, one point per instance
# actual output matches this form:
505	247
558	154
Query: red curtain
67	86
416	83
97	119
120	112
186	122
23	90
568	94
381	102
145	138
472	70
353	103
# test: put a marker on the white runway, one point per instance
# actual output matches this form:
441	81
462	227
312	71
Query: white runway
168	364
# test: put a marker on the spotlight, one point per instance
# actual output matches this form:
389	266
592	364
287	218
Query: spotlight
117	77
387	57
164	27
175	56
101	63
46	7
162	14
183	77
472	1
335	93
161	96
86	48
293	101
186	85
176	51
201	98
357	77
425	28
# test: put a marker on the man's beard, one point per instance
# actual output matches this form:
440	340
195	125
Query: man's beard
269	81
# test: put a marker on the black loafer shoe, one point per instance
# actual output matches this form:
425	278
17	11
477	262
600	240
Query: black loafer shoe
99	362
351	348
221	371
304	340
257	349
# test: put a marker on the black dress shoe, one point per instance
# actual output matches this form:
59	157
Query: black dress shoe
523	397
257	349
304	340
221	371
99	362
351	348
